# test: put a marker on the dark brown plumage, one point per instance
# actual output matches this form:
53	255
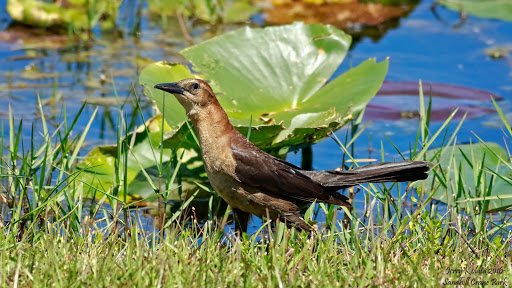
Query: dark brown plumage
254	182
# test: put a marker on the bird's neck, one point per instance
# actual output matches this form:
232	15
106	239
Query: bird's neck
212	126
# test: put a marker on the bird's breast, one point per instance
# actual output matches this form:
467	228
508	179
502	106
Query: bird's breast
220	165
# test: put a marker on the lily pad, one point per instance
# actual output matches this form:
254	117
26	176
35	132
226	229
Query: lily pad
98	167
277	76
442	90
33	41
383	106
54	15
494	9
272	70
499	52
340	13
465	184
230	11
389	112
108	101
32	72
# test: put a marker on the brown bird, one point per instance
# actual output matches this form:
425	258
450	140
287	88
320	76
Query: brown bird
254	182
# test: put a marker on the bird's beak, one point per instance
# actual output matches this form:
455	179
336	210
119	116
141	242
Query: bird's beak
173	88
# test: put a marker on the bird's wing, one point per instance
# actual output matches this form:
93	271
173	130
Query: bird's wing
276	177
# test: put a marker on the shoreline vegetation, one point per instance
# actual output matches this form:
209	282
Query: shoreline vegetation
59	230
55	235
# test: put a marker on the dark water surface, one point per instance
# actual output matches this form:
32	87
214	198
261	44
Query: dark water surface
421	47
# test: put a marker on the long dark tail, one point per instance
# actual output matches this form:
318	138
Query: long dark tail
373	173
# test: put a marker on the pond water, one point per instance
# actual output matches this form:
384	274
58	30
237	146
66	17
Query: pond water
420	47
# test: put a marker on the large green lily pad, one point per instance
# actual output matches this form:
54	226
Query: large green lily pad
465	185
275	76
494	9
271	70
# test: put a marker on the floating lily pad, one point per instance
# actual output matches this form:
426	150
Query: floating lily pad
27	38
390	112
98	167
273	70
442	90
494	9
340	13
108	101
24	85
32	72
463	184
499	52
79	14
383	107
230	11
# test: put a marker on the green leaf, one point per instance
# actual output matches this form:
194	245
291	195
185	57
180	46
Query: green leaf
468	170
305	125
270	70
494	9
351	91
477	151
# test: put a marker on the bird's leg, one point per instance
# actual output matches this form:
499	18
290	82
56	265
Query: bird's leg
294	220
307	158
241	221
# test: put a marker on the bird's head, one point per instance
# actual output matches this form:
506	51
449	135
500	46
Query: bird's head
191	93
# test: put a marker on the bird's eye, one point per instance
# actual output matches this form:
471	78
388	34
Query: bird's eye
195	86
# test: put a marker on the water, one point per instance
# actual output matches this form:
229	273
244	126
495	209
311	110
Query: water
421	47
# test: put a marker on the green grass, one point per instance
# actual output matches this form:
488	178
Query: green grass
351	258
53	235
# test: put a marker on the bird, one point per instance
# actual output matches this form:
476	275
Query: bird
254	182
